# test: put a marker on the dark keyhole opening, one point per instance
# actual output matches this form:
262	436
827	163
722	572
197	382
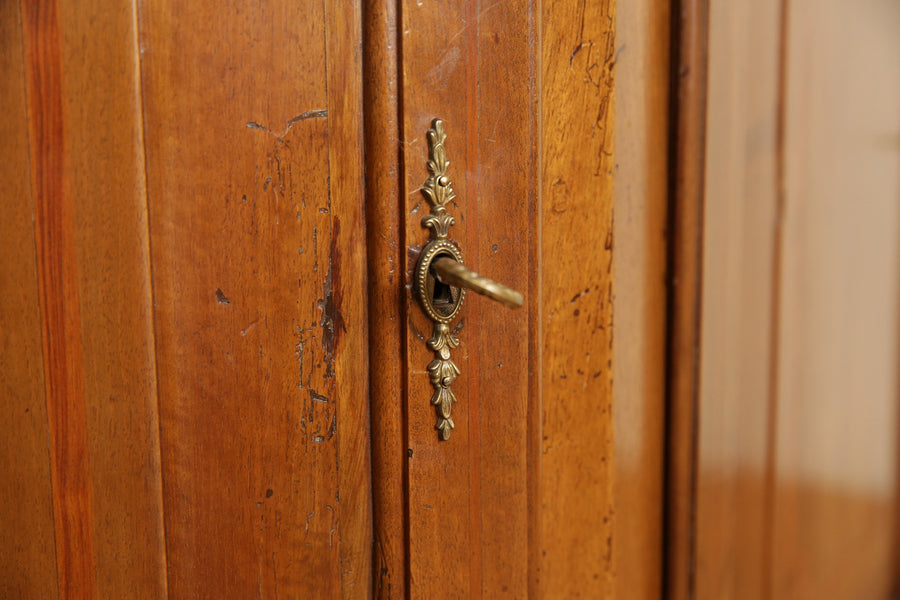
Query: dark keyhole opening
443	296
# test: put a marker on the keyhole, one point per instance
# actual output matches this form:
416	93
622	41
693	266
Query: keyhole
442	296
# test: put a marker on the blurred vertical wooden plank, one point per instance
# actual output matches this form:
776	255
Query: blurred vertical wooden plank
257	249
732	509
59	301
639	265
28	558
577	462
837	388
102	109
688	85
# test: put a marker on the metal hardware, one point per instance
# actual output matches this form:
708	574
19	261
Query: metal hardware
452	272
441	280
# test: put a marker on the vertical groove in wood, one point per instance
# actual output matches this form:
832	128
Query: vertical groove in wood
343	31
58	285
687	144
387	303
780	198
28	559
470	222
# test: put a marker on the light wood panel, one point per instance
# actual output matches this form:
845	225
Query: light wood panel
28	554
733	511
837	388
796	461
253	132
639	266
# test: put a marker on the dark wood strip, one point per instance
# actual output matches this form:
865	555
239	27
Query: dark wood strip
61	327
28	557
473	388
387	304
687	157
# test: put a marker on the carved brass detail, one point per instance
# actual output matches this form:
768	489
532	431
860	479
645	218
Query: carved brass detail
441	302
442	279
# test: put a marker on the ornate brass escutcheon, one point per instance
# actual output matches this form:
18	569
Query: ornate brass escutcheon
441	280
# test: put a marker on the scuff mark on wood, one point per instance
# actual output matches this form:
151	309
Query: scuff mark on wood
310	114
221	297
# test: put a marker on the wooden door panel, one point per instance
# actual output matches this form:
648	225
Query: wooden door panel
518	502
254	180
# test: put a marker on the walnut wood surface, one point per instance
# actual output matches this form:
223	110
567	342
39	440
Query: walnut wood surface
253	127
28	553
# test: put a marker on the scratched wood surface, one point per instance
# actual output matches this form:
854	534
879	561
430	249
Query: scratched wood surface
254	175
28	554
577	163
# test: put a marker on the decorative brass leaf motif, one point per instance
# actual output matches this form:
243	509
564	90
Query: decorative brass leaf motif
438	190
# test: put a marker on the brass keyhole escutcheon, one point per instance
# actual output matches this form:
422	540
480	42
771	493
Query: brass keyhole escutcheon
440	300
441	281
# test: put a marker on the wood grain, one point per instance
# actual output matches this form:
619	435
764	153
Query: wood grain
255	189
59	301
472	499
102	108
434	69
577	163
387	298
28	555
639	266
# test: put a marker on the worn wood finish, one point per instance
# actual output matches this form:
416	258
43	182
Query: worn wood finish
254	170
577	154
387	296
105	153
687	149
59	301
28	556
639	265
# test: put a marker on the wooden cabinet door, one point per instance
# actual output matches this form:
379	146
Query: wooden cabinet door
214	366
